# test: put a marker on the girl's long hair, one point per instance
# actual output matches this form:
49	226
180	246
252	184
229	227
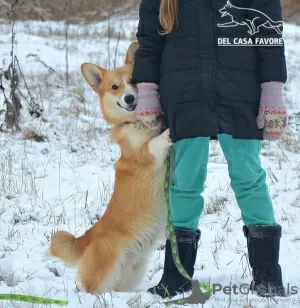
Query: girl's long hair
168	15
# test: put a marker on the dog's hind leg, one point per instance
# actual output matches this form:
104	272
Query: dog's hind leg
132	275
100	267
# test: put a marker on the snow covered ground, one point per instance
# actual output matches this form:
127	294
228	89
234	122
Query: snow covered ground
65	182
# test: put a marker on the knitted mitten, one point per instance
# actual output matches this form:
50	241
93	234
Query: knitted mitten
148	107
272	117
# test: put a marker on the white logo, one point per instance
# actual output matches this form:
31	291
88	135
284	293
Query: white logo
258	20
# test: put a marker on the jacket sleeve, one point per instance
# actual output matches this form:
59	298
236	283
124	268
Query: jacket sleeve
151	43
272	62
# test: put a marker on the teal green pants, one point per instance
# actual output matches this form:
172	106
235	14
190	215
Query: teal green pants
248	180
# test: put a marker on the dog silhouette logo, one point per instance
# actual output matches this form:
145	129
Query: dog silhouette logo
259	19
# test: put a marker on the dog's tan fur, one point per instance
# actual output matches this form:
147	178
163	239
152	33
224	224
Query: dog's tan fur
113	253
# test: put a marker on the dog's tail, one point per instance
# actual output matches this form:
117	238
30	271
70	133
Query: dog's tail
67	247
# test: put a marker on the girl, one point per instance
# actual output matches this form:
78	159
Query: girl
206	90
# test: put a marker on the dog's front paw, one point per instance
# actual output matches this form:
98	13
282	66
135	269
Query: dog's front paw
165	136
159	145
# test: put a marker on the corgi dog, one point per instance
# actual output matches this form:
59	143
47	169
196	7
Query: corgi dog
113	253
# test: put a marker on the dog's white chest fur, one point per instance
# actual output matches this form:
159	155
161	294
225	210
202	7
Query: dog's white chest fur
135	257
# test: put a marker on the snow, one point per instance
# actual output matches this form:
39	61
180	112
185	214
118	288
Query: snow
65	182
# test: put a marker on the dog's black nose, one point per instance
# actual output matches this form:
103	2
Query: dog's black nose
129	99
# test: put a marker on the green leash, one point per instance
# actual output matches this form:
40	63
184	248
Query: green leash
173	241
32	299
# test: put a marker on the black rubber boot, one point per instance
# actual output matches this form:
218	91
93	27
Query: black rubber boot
263	249
172	282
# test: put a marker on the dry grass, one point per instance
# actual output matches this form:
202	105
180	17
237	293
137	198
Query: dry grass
291	11
215	205
97	10
78	32
76	10
290	141
30	134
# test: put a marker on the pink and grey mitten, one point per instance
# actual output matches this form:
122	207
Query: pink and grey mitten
272	117
148	107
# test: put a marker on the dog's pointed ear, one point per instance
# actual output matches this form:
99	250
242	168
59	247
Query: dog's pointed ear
229	3
93	74
131	52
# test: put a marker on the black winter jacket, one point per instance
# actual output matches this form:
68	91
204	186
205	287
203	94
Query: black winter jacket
207	89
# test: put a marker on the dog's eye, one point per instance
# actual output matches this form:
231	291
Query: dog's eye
115	87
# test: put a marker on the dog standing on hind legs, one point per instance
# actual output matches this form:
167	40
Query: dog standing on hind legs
113	253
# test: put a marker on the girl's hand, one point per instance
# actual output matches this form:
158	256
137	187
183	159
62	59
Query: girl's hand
148	108
272	117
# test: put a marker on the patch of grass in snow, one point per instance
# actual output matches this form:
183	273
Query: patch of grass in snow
215	205
31	134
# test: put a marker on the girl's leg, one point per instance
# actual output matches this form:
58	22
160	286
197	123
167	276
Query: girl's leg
248	180
191	157
190	168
